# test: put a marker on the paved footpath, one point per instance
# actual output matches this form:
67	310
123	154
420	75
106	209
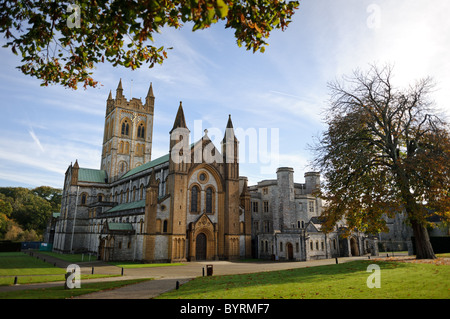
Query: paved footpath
165	278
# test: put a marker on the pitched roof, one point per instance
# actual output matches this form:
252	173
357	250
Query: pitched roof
91	175
155	162
127	206
120	226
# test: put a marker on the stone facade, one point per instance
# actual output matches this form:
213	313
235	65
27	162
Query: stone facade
187	205
190	204
286	223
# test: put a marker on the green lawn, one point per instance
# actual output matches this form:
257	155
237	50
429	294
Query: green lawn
73	258
61	293
342	281
20	264
31	270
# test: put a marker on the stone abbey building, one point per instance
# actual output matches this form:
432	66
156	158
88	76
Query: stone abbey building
190	204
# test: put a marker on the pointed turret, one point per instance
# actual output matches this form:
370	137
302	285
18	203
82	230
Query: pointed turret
150	91
153	182
75	168
110	96
245	191
229	124
180	121
119	90
229	131
230	150
150	99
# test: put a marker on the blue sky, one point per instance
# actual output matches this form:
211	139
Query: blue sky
279	93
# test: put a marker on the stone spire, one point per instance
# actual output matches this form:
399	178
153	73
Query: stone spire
119	90
150	91
150	99
180	121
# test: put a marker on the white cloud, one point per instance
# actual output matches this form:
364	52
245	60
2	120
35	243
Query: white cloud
35	139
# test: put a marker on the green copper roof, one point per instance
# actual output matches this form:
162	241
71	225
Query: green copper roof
91	175
120	226
127	206
147	165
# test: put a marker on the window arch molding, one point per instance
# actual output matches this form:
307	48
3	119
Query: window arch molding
210	199
194	198
214	173
141	130
84	198
125	127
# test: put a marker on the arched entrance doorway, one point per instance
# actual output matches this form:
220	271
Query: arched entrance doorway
104	249
200	247
290	251
354	247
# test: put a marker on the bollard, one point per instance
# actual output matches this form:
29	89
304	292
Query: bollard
92	270
122	272
337	262
15	280
177	285
203	271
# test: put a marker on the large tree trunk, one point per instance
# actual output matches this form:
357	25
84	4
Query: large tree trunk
424	250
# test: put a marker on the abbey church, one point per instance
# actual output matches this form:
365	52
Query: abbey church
190	204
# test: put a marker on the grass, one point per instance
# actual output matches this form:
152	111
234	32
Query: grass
24	280
20	264
31	270
342	281
73	258
61	293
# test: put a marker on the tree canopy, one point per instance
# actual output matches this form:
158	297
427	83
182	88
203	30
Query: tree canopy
62	41
24	211
385	151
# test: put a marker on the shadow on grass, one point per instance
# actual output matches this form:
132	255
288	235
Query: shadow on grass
265	281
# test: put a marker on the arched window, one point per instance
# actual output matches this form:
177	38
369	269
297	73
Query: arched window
141	131
194	199
83	199
125	128
209	201
141	226
164	226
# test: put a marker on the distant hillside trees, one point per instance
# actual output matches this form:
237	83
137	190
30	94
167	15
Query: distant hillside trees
24	212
